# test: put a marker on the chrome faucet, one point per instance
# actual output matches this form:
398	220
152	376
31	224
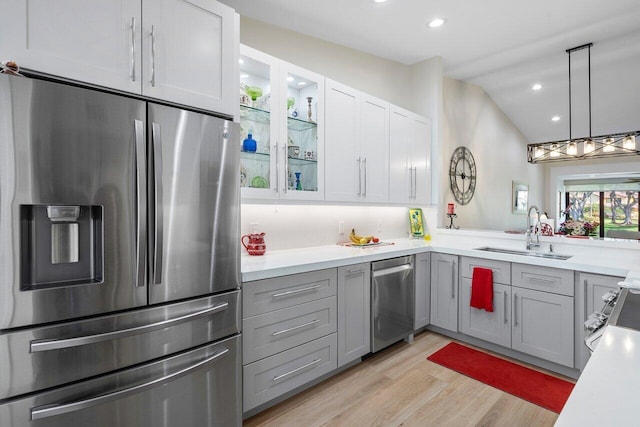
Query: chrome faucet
531	229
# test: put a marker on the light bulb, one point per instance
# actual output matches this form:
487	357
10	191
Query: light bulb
629	142
538	153
589	146
608	145
572	148
554	151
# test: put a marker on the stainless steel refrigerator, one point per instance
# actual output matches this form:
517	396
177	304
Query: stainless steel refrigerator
119	261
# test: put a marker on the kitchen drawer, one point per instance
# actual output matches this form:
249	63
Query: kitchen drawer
263	296
269	378
273	332
501	269
554	280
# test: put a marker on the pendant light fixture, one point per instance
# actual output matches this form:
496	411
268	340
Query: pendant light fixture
612	145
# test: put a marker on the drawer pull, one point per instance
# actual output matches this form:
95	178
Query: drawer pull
540	278
279	377
504	308
297	291
275	334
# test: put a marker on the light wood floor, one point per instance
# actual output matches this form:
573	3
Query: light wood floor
399	387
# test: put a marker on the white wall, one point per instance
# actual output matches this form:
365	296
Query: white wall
473	120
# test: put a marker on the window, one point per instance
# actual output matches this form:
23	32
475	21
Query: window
612	204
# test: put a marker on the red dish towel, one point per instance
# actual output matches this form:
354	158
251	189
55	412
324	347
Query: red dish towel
482	288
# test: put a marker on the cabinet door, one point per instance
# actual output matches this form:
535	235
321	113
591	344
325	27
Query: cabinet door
420	156
302	134
342	133
354	312
543	325
444	291
374	151
423	289
96	42
493	326
591	287
259	117
400	170
189	53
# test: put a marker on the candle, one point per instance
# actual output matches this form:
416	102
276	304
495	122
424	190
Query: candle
450	208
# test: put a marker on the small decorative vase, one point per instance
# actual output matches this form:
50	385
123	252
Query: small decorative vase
310	113
298	184
249	144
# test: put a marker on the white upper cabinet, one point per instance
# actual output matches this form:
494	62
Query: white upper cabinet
175	50
189	53
281	106
357	143
409	157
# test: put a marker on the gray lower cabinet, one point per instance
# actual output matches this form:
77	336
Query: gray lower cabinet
493	326
422	274
543	325
444	291
273	376
354	308
591	288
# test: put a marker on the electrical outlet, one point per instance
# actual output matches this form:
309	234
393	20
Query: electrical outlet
340	227
379	226
253	227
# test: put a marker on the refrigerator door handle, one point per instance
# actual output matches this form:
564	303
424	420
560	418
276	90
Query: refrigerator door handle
158	220
141	184
46	345
46	411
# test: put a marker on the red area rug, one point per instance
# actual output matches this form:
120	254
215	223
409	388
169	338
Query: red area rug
541	389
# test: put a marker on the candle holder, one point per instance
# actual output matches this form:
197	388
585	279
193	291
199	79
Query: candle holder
451	224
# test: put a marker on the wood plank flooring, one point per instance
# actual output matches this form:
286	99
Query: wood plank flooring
399	387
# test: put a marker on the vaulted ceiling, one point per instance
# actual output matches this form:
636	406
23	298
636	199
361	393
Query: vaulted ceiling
501	45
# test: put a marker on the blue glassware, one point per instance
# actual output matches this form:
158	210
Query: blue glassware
249	144
298	184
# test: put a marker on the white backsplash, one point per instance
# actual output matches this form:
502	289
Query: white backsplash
298	226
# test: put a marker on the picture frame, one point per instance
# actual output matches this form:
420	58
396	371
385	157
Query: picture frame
519	198
416	222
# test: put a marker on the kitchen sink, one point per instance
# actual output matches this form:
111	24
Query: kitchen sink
548	255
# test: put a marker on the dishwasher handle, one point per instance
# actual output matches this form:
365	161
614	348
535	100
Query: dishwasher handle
392	270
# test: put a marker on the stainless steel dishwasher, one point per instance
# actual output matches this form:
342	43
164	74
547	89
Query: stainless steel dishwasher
392	301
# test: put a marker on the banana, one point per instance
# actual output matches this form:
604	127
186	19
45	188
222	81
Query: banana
357	239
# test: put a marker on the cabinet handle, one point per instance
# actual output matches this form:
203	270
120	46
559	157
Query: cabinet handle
275	150
515	309
505	306
355	270
284	331
286	168
364	166
153	56
410	182
296	291
585	292
540	278
453	280
359	176
415	182
279	377
132	29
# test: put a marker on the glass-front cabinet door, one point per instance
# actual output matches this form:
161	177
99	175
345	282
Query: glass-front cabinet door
281	119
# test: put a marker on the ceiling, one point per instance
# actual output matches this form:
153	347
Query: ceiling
501	45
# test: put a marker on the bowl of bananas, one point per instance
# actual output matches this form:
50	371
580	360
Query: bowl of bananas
358	240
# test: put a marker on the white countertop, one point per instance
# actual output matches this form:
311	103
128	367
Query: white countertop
586	256
606	393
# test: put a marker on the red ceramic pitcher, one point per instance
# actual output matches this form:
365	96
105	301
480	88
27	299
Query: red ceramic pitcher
255	243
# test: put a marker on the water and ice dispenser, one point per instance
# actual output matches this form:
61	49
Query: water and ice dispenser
61	246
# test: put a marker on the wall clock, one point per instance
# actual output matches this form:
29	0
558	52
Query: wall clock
462	175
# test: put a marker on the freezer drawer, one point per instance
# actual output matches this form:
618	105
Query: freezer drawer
34	359
199	388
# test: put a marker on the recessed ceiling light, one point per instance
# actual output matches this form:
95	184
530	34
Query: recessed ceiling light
536	86
244	76
555	118
379	1
289	79
240	61
302	83
437	22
